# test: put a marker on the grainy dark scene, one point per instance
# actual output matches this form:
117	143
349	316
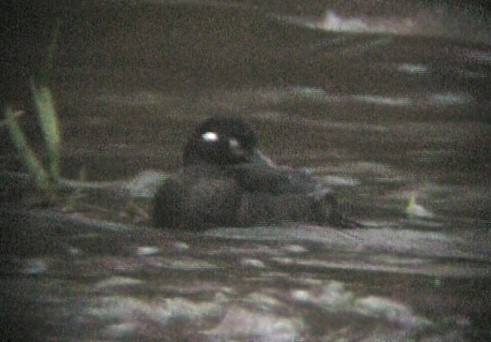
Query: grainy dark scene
245	171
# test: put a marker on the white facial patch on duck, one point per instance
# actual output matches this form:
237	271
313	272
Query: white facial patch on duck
235	147
233	143
210	137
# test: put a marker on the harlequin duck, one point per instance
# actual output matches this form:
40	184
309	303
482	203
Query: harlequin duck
227	181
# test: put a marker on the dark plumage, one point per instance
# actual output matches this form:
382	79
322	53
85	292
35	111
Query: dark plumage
227	181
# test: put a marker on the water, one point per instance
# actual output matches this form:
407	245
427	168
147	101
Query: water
380	108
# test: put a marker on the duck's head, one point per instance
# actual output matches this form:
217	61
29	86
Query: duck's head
223	141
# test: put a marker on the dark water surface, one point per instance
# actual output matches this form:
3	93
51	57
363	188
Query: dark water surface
381	108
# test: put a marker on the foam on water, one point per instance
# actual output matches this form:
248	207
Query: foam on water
435	21
278	96
335	22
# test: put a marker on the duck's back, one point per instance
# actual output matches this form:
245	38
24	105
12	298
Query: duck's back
277	180
204	196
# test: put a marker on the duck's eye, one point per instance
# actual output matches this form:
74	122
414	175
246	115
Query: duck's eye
210	136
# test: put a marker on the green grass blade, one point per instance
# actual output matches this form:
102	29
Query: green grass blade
49	126
34	166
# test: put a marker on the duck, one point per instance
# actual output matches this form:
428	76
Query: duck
226	181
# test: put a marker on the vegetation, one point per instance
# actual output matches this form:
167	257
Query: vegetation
100	200
45	178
